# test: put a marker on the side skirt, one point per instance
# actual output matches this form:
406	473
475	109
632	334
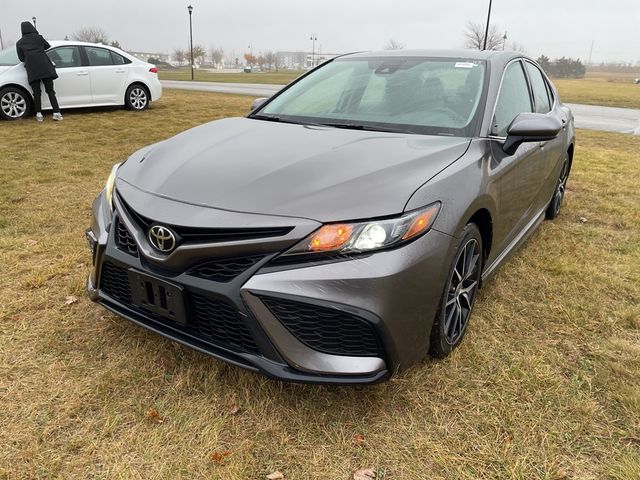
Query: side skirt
513	246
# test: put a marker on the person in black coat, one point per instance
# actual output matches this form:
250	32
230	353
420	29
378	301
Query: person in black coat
31	50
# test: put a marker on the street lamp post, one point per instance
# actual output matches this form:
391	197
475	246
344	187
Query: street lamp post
486	31
34	22
250	46
313	39
190	8
504	39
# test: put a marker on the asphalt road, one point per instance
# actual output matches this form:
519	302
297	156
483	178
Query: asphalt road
611	119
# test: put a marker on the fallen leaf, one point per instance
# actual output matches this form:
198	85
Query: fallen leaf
277	475
561	475
234	409
364	474
218	457
155	416
358	439
70	299
31	242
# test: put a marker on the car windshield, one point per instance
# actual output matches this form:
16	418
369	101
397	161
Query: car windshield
9	57
408	94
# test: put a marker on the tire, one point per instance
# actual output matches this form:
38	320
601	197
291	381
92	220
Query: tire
14	103
458	296
553	210
137	97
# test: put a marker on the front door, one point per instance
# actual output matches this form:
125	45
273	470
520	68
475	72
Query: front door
73	86
518	175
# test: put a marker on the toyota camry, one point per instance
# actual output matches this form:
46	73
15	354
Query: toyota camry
339	232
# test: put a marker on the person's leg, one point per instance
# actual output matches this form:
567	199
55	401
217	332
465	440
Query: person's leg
48	86
37	96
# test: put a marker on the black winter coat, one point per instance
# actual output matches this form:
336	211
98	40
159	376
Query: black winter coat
30	50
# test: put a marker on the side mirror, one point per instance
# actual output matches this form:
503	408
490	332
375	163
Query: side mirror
531	127
258	102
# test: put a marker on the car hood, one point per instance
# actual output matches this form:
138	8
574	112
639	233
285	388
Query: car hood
320	173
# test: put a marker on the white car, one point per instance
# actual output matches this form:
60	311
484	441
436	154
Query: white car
89	75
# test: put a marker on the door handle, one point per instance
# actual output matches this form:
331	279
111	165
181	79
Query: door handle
82	73
121	70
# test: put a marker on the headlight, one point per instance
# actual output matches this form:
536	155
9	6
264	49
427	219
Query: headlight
345	238
111	183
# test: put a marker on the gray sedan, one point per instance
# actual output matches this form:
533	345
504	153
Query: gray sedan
340	232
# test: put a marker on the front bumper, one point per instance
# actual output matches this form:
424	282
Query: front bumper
378	308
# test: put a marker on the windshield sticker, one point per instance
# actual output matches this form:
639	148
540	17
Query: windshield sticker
465	65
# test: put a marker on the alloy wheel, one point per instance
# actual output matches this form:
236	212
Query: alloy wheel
138	98
13	105
558	196
462	291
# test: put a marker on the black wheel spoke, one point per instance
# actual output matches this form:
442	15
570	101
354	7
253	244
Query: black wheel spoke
461	291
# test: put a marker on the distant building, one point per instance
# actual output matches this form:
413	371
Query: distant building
145	56
302	60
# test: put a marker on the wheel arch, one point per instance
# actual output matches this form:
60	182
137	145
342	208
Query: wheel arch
483	219
21	88
140	83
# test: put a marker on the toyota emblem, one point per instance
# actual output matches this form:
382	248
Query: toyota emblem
162	238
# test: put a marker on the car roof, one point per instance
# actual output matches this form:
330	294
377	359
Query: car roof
499	57
60	43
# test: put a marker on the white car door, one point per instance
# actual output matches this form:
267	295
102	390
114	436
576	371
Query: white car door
73	87
108	72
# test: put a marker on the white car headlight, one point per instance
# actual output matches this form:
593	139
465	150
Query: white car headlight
345	238
111	183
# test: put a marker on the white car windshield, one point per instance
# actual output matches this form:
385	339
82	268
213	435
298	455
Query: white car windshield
9	57
411	94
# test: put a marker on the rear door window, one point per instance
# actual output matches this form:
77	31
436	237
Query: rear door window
98	56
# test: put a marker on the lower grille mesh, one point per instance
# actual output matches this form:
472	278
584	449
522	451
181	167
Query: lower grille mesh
326	329
210	319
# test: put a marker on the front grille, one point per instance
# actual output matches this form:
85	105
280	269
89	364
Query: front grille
206	235
124	240
115	282
326	329
217	321
224	269
209	319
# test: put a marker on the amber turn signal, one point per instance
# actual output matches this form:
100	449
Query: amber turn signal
330	237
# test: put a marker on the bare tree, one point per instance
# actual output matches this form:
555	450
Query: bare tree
180	55
518	47
474	37
393	45
217	55
199	53
91	35
270	58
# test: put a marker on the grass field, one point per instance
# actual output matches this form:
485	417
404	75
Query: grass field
545	386
610	91
278	78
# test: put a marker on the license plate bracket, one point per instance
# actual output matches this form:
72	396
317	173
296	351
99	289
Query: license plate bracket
157	296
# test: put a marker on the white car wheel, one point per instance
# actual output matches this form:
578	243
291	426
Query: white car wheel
137	98
14	104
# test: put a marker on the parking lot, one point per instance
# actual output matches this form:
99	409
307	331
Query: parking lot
546	384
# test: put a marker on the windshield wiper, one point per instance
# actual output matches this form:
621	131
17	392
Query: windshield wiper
270	118
369	128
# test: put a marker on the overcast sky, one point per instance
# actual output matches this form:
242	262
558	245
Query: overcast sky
552	27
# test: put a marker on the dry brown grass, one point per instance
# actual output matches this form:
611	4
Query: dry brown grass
610	88
545	386
278	78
